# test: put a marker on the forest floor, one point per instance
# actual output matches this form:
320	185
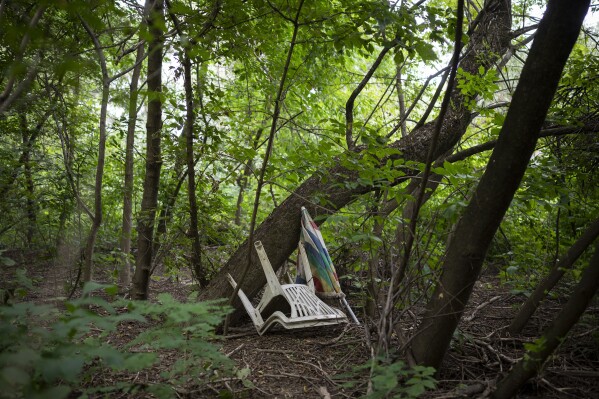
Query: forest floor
318	363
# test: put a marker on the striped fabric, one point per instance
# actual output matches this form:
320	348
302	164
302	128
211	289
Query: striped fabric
326	282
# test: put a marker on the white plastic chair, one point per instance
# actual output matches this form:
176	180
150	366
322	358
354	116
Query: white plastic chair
290	305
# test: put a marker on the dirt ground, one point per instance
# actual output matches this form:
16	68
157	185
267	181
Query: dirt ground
313	363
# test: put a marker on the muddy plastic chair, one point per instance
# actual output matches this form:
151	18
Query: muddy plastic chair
290	305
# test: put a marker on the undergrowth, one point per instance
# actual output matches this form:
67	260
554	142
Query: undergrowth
46	352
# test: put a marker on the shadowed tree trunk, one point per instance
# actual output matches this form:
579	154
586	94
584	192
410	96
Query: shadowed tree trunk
97	215
530	364
279	232
556	273
464	256
194	234
147	216
242	181
29	187
125	269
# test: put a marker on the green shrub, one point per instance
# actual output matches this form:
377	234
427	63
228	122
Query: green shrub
394	380
49	353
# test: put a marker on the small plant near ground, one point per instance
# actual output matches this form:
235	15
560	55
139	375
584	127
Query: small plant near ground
46	353
393	380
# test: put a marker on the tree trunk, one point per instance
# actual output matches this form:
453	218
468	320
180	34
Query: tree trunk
97	215
170	194
556	273
279	232
29	187
556	35
194	234
242	181
401	100
125	267
145	223
532	361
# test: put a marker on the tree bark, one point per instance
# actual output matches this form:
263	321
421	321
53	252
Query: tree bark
401	100
125	267
146	220
279	232
30	207
97	215
242	181
556	36
194	234
532	361
556	273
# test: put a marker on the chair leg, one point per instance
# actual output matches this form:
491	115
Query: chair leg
251	311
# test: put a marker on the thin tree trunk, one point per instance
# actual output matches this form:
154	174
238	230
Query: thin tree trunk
401	100
557	34
280	230
532	361
29	187
194	234
125	266
554	276
170	195
97	216
146	220
242	181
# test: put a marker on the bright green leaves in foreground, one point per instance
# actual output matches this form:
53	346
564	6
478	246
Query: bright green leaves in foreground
479	86
49	353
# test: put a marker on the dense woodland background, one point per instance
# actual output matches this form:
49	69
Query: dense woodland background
442	146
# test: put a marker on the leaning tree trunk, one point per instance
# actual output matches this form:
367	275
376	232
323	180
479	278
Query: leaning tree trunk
554	276
147	216
464	256
532	361
279	232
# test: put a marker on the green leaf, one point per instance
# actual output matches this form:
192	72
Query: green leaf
66	368
426	51
138	361
7	261
92	286
415	390
111	290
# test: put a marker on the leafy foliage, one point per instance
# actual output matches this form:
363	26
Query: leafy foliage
395	380
50	353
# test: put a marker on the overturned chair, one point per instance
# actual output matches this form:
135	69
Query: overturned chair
290	305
